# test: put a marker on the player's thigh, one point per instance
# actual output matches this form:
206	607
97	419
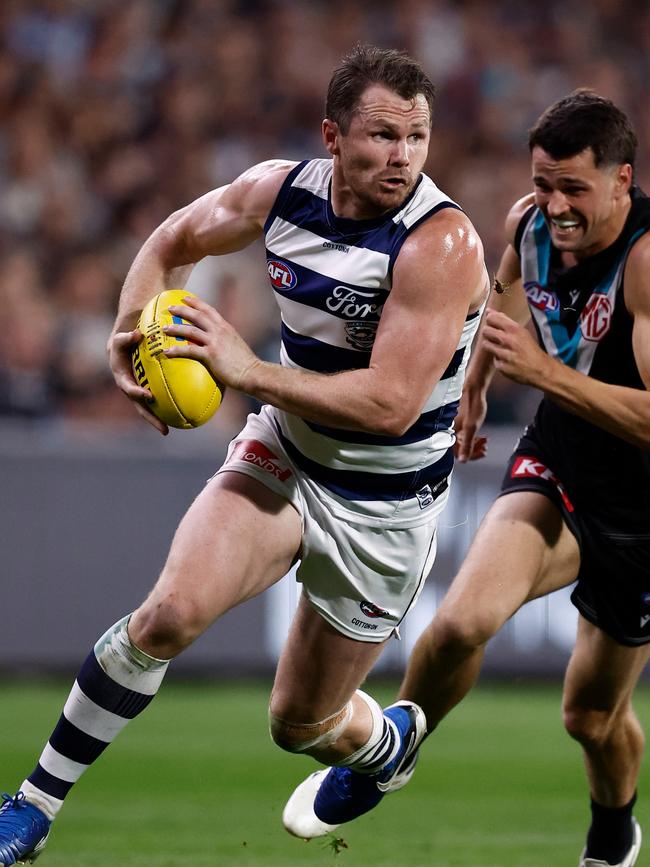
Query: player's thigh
523	549
319	668
237	538
602	674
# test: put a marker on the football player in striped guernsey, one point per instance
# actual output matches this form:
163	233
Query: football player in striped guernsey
575	501
380	281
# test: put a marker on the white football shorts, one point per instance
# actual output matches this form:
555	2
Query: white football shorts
362	579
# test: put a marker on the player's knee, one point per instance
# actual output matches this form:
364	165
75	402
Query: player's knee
590	727
460	632
310	738
166	626
289	736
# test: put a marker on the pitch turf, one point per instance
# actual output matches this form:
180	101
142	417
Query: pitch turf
196	781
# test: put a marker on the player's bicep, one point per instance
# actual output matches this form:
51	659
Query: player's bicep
435	281
231	217
641	346
637	300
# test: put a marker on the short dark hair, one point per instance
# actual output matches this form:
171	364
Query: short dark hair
581	120
366	65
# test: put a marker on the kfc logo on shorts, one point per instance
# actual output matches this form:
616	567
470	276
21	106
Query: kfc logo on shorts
596	318
540	297
256	453
531	468
282	276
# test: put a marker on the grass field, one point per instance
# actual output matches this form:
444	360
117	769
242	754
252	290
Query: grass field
196	781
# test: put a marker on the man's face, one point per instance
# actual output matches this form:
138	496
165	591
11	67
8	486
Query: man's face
582	202
379	159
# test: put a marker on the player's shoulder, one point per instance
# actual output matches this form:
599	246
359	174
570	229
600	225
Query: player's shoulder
639	255
449	225
267	175
446	236
637	275
255	190
516	214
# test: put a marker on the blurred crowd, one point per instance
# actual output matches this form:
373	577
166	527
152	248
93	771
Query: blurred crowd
114	113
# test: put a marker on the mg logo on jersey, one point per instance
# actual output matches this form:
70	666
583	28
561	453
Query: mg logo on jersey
596	318
256	453
282	276
531	468
540	297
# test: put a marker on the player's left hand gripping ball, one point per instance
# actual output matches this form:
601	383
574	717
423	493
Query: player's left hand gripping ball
185	394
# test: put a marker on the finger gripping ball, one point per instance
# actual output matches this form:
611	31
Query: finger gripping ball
185	394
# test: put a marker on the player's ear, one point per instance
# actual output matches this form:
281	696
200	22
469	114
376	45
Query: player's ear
331	134
624	178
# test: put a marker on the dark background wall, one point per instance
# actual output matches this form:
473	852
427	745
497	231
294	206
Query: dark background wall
85	528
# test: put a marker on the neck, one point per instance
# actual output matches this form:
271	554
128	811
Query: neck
347	205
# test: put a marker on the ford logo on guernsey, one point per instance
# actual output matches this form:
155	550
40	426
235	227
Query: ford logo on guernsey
371	610
282	276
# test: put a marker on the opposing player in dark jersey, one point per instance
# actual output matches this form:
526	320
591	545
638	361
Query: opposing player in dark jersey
380	280
575	502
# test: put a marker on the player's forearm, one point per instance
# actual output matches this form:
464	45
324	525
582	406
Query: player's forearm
508	299
160	264
480	371
623	411
351	400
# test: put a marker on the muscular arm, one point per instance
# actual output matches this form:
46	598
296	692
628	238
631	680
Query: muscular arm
223	221
511	301
624	412
439	275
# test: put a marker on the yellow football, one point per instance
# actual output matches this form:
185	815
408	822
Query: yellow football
185	394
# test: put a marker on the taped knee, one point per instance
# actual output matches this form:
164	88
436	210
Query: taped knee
303	737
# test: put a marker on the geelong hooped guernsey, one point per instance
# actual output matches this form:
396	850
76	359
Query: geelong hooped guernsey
581	319
331	277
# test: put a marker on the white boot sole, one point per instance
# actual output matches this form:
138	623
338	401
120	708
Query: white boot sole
298	816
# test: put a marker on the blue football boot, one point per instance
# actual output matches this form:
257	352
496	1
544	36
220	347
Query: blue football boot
23	830
331	796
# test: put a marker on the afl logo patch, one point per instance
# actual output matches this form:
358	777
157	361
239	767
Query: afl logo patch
540	297
371	610
596	318
282	276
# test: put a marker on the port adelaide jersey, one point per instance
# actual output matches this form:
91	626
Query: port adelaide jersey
331	277
581	319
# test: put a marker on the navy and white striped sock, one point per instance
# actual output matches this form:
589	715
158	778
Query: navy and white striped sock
381	747
116	682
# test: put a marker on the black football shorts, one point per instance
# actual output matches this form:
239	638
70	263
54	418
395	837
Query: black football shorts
613	583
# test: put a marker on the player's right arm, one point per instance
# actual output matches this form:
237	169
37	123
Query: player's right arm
507	297
222	221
